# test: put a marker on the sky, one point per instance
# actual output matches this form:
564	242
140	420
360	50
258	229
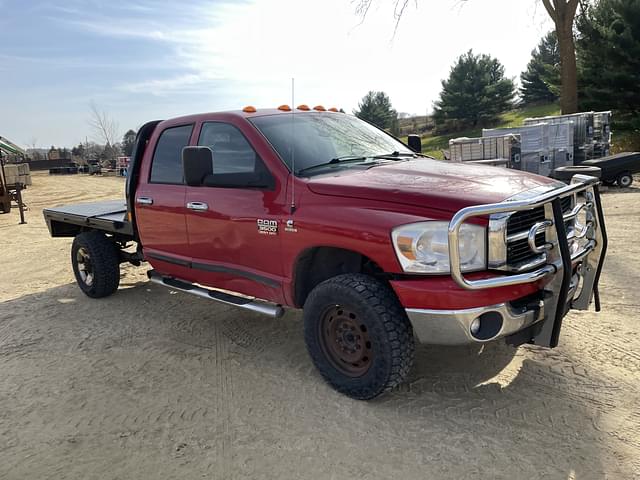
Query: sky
140	60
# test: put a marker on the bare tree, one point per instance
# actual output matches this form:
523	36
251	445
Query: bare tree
103	126
562	12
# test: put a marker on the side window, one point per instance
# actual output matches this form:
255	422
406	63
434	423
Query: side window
166	166
235	162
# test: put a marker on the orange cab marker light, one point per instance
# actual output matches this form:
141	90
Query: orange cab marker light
333	109
249	109
284	108
320	108
304	107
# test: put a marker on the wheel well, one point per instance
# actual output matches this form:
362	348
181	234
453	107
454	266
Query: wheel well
318	264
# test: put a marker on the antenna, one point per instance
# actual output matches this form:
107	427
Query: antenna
293	157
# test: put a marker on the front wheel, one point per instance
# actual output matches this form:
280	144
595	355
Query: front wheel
96	264
358	335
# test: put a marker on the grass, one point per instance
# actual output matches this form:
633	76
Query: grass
434	144
625	141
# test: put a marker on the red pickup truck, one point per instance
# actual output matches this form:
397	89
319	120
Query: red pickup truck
378	244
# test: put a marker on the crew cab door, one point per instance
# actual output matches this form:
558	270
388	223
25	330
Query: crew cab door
160	202
234	218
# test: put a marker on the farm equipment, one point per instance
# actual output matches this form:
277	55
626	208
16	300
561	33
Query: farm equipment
10	192
13	178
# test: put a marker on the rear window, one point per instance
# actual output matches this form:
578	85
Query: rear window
166	166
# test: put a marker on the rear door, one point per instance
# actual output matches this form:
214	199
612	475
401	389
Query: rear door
235	219
160	203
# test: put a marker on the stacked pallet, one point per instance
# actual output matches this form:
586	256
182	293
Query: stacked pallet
17	173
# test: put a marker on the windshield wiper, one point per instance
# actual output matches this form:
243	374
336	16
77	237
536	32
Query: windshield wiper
394	155
334	161
359	158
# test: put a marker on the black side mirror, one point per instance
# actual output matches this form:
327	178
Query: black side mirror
415	143
197	163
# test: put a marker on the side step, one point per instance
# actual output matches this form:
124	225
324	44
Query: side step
270	309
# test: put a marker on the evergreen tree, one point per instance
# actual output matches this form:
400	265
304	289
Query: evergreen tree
376	108
540	83
609	56
128	142
475	93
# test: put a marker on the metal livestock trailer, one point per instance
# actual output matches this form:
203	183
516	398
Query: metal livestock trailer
602	134
583	132
544	147
506	147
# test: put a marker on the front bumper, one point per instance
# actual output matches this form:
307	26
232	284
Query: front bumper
454	327
570	276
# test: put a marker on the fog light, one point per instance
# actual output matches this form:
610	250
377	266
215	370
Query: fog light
475	326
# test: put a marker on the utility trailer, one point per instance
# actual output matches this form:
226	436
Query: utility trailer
617	168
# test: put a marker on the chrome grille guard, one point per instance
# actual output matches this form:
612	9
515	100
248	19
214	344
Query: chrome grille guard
592	253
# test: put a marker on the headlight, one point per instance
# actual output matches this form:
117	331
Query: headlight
424	247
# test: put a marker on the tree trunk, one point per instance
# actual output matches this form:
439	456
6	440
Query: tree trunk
563	12
568	67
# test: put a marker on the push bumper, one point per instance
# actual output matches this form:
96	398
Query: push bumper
570	274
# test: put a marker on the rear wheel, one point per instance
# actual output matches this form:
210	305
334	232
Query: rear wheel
96	264
358	335
625	180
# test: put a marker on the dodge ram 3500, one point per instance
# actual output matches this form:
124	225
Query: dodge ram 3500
379	245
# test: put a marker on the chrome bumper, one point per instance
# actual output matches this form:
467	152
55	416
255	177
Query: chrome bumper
571	278
453	327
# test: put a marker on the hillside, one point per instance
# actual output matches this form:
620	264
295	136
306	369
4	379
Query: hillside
434	144
623	140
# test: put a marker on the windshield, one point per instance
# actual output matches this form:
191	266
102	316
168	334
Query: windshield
315	139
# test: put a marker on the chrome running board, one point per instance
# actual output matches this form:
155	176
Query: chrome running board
270	309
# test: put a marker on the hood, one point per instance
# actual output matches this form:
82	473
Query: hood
431	183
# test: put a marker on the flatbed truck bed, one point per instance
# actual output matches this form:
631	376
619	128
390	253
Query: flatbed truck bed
109	216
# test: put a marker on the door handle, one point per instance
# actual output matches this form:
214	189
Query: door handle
144	201
198	206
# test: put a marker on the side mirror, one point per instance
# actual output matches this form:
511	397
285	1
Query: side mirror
197	163
415	143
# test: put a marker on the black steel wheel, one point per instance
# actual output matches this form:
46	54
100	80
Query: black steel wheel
358	335
345	341
96	264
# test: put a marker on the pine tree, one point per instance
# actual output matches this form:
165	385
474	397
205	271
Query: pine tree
475	93
540	83
609	56
376	108
128	142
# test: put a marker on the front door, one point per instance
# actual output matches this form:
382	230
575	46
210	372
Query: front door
160	203
234	219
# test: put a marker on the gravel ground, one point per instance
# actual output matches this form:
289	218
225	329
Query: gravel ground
151	383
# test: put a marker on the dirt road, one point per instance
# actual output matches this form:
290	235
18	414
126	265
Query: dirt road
154	384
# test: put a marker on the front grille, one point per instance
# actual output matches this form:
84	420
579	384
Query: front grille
518	251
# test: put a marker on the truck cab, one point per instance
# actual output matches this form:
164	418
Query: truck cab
379	245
